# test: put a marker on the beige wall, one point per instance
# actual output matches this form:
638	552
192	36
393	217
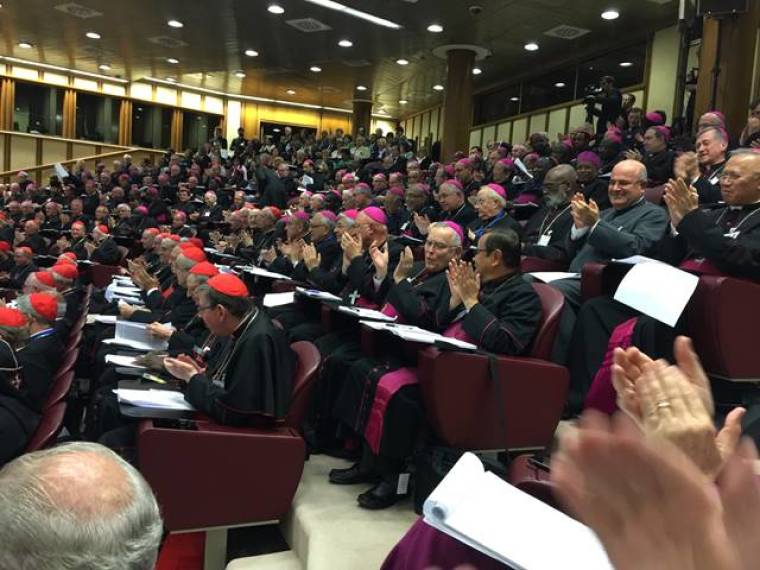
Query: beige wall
662	71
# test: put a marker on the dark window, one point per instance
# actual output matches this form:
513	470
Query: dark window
277	130
151	125
97	118
591	71
198	129
38	109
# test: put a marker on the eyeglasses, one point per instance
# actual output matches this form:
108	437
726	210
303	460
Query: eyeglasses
438	245
728	176
206	308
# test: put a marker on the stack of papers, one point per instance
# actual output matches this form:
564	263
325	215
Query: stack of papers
362	313
549	276
317	294
136	335
490	515
102	319
259	272
157	399
117	291
126	361
278	299
416	334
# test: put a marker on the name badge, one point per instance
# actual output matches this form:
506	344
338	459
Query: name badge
543	241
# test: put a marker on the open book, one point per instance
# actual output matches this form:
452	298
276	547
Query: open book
136	335
490	515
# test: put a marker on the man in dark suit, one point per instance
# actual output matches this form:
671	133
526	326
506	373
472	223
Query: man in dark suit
546	232
33	239
22	269
104	250
275	192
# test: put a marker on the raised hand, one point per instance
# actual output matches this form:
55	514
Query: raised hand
680	199
351	246
310	256
422	223
468	284
451	276
404	267
379	257
585	214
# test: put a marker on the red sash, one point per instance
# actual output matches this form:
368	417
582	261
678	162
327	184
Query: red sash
701	266
387	387
602	396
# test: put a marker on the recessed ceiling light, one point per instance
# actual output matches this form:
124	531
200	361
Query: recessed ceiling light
315	68
174	24
361	88
275	9
476	71
625	64
104	67
435	28
239	74
290	92
338	7
402	101
172	60
402	61
610	15
532	46
251	53
438	87
559	84
514	99
25	45
345	43
93	35
171	79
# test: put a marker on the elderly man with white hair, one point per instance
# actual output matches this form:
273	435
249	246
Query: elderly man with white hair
490	202
77	506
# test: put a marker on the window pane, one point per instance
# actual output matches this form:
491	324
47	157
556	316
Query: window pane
591	71
504	102
38	109
151	126
548	90
198	129
96	116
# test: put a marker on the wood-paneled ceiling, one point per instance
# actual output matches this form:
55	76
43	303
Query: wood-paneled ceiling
136	42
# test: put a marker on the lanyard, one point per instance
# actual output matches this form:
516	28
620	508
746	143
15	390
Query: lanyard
543	230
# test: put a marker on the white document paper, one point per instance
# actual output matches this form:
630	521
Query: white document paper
636	259
126	361
316	294
657	290
490	515
416	334
136	335
60	171
521	165
278	299
105	319
158	399
362	313
549	276
260	272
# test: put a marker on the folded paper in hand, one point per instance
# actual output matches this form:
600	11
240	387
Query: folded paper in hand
490	515
657	290
158	399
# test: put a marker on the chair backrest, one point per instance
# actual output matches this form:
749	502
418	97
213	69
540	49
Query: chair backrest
69	360
48	429
552	303
303	380
654	194
59	391
101	274
124	251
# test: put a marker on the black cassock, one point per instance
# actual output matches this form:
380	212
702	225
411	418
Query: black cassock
18	419
702	235
504	322
253	382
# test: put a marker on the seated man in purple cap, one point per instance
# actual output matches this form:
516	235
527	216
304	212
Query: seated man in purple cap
502	174
463	170
587	165
417	198
282	257
490	202
656	157
398	215
454	206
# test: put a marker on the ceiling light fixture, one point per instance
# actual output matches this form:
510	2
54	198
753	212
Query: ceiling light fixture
290	92
514	99
172	60
532	46
25	45
275	9
610	15
251	53
402	101
175	24
104	67
315	68
361	88
438	87
338	7
239	74
476	71
626	64
402	61
435	28
345	43
93	35
559	84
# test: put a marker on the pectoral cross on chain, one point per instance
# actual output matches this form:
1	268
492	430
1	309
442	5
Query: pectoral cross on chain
353	297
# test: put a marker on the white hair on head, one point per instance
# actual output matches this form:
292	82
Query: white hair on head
491	193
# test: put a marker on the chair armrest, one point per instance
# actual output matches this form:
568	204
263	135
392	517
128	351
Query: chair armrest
283	286
464	408
530	264
591	280
218	475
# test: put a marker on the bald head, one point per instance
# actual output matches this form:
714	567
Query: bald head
78	505
627	183
740	179
560	183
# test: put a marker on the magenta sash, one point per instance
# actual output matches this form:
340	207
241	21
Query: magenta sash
390	311
387	387
456	330
365	304
601	396
700	267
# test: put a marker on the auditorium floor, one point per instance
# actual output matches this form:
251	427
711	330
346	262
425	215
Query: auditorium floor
327	530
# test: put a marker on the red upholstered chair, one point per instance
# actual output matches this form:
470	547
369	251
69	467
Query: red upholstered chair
48	429
220	476
283	286
533	480
61	386
69	360
100	275
530	264
599	279
722	319
468	411
654	194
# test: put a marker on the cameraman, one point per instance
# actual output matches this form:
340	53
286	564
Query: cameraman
611	102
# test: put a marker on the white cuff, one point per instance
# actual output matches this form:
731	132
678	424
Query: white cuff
577	233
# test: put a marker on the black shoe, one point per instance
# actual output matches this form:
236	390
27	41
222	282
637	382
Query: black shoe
351	475
381	496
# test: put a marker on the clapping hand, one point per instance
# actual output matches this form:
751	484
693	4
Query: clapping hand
422	223
404	267
269	255
182	367
464	283
379	257
680	199
351	246
633	154
246	239
585	214
160	331
311	258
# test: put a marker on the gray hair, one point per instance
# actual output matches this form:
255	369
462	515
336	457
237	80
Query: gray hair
24	304
457	241
185	263
76	506
491	193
